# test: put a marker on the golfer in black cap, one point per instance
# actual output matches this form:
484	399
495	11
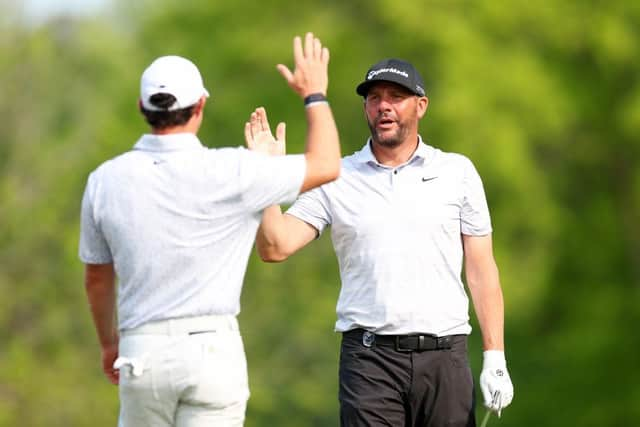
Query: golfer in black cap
405	217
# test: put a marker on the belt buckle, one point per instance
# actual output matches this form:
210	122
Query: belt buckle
368	338
444	343
400	348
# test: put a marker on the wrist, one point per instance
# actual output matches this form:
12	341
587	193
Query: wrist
109	341
314	99
494	358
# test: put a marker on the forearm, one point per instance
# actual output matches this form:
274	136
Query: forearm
489	306
270	233
281	235
101	294
322	146
495	382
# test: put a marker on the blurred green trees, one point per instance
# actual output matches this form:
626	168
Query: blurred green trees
543	96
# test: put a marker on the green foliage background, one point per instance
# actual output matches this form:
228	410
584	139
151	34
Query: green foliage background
543	96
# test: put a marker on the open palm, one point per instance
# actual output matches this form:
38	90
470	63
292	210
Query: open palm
258	136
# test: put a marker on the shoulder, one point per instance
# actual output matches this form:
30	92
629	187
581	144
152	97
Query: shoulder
447	157
226	153
450	162
111	166
353	163
228	158
348	162
239	154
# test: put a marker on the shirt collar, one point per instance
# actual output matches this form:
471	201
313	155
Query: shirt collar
169	142
424	152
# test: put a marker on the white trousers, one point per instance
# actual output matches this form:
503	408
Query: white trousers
188	372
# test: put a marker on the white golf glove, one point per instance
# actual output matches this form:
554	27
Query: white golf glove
495	383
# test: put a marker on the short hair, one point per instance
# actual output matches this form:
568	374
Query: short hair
164	119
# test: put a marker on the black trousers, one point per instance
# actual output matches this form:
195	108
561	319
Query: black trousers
381	386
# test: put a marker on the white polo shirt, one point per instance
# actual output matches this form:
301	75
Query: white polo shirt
178	220
397	236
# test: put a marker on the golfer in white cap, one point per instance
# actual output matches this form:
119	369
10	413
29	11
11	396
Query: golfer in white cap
173	223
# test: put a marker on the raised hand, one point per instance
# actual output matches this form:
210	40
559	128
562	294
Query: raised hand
311	67
258	136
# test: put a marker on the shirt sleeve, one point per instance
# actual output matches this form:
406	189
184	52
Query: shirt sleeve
313	208
474	215
93	248
270	180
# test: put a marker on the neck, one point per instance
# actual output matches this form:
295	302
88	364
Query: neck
173	129
395	155
192	126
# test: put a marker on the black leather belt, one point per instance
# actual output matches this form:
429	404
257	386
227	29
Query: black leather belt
402	343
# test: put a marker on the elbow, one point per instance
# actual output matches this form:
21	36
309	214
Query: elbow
272	259
330	173
333	172
329	170
332	166
322	169
271	255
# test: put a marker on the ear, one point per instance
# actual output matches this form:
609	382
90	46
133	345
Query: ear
421	106
200	106
140	105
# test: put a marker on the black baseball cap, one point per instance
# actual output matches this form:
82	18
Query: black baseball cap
394	71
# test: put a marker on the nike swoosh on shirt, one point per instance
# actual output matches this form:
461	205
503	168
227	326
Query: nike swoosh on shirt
428	178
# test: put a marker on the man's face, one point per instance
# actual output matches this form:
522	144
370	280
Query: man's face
392	113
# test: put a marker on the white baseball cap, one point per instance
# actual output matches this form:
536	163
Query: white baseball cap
174	75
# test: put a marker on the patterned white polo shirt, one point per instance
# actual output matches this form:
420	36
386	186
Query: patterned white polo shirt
397	232
178	220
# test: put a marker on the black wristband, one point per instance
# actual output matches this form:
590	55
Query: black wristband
314	98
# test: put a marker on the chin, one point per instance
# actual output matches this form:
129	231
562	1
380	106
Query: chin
386	138
388	142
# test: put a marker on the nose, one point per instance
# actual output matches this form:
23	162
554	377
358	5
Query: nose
384	104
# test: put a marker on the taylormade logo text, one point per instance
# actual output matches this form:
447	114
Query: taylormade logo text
374	73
